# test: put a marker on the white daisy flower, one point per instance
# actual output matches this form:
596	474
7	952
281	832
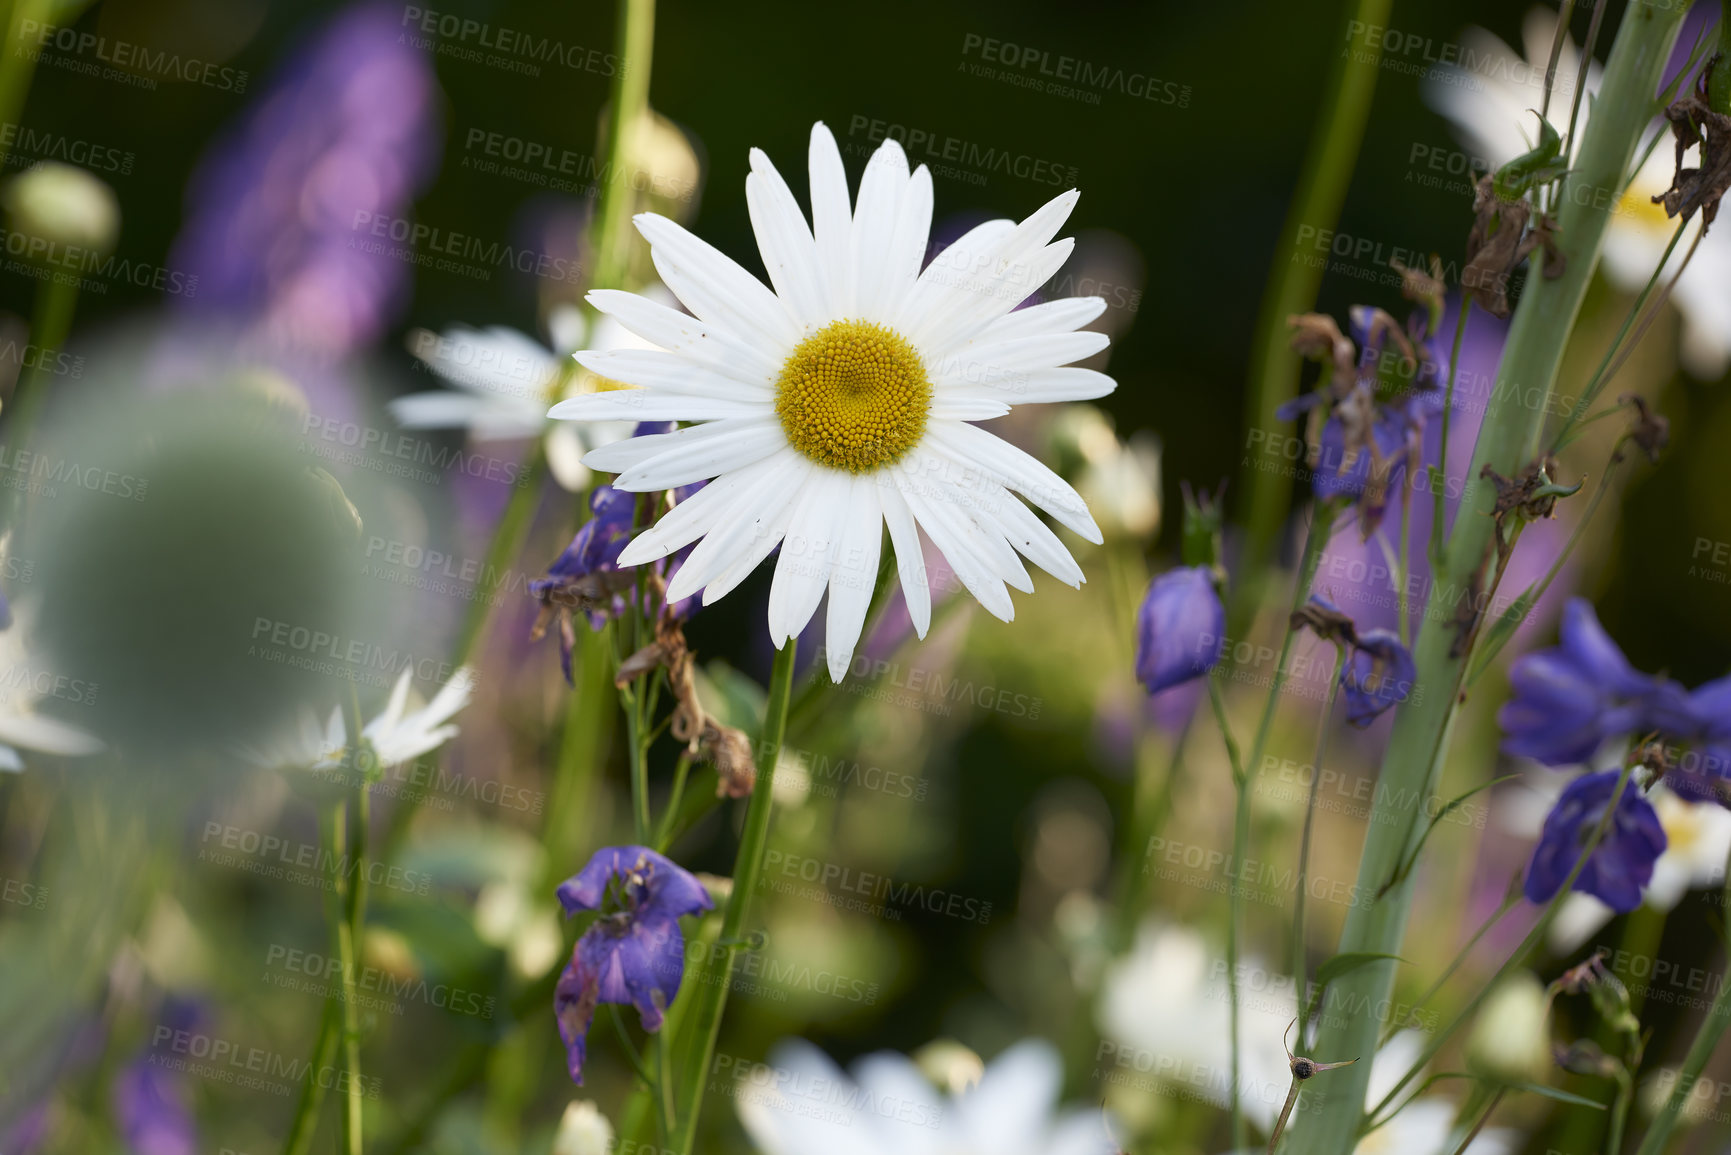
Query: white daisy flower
21	727
396	735
842	401
1493	111
399	734
803	1103
503	378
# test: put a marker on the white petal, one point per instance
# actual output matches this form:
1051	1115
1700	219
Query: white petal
881	193
955	265
1001	276
696	515
736	532
789	482
1016	470
48	735
652	405
907	252
564	449
988	300
1061	316
1028	534
494	362
967	405
655	369
682	333
910	559
1034	388
444	409
807	554
831	219
954	539
710	284
784	241
854	576
705	451
977	364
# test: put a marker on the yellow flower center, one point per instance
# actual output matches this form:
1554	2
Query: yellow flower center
853	396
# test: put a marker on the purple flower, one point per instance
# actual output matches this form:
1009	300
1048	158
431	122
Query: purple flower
150	1109
293	218
1180	629
1569	699
634	953
1376	675
586	576
1622	863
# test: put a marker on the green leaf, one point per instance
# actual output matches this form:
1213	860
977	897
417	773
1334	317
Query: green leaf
1501	630
1559	1096
1339	965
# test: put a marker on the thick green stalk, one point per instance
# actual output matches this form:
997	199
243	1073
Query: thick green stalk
634	43
1506	441
1293	281
715	973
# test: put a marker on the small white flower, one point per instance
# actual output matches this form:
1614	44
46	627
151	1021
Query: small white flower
1169	1001
583	1130
400	735
802	1103
21	727
843	400
503	379
305	746
1491	108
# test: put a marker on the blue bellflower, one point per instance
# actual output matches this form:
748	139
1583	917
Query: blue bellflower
1621	865
634	954
1376	675
1180	629
1570	698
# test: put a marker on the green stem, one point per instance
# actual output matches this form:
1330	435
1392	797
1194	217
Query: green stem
1299	968
1507	440
1448	972
345	945
1293	282
1439	516
714	976
312	1095
18	65
50	322
634	41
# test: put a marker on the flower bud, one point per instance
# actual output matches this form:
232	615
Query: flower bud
63	205
1180	628
1510	1040
950	1065
583	1130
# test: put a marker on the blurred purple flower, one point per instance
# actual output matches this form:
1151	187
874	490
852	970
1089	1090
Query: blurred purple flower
1180	628
1570	698
1374	432
1621	865
281	213
1378	673
585	577
634	954
150	1109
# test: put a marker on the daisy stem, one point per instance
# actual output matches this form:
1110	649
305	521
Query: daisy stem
345	936
715	970
306	1116
1299	970
1706	1041
1293	283
1508	439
